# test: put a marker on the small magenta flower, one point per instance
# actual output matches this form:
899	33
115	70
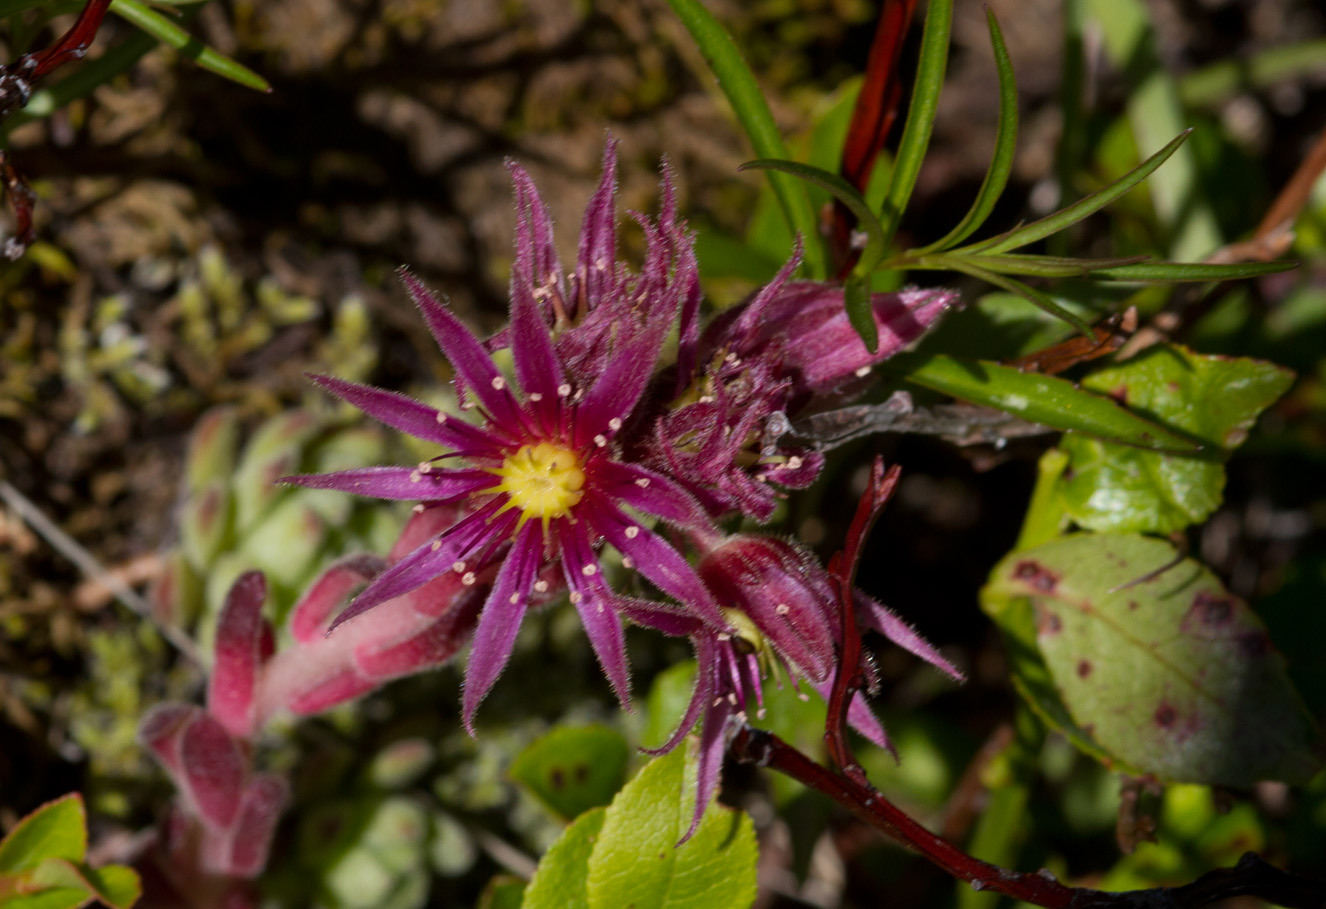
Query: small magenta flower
782	610
801	329
542	473
789	349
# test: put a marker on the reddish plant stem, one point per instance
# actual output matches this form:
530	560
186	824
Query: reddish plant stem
873	116
849	678
1252	876
765	749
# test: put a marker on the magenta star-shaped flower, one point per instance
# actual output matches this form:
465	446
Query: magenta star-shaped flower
542	474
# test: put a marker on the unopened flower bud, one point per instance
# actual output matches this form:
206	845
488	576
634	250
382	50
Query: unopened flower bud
800	329
784	593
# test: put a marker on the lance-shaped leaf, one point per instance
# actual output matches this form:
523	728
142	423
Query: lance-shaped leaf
1038	398
920	114
1157	664
1214	399
1006	139
1052	224
170	34
743	93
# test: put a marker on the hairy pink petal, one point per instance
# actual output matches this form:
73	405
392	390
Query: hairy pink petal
887	623
474	367
425	563
598	608
598	237
500	620
399	483
411	417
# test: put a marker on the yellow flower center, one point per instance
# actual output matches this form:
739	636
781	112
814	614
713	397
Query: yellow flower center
544	481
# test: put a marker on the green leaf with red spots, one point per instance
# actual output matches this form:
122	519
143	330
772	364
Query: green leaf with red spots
1157	669
573	769
1214	400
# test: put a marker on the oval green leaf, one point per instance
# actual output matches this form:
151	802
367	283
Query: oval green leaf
562	878
58	829
573	769
636	861
1156	663
1214	399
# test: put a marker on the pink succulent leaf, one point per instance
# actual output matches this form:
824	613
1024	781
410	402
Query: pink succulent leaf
886	622
661	565
473	364
433	646
312	613
597	257
412	417
500	620
161	729
238	655
427	562
598	608
260	809
424	524
213	769
408	484
326	693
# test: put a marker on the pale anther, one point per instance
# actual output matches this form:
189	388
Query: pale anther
615	424
467	579
499	383
600	440
632	532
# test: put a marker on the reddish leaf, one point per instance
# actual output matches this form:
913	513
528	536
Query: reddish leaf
240	634
264	800
312	614
214	767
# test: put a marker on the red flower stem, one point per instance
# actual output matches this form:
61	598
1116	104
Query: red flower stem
767	750
849	679
1252	876
73	43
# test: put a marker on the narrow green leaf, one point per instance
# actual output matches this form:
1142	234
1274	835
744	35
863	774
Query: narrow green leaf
562	879
856	298
1171	674
1047	400
1191	271
636	861
58	829
738	84
1006	140
844	192
968	266
573	769
1051	224
920	114
172	35
1037	266
1214	399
